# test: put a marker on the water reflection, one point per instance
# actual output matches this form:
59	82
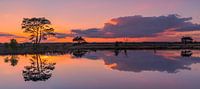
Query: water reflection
78	53
118	51
13	60
186	53
39	69
85	69
140	61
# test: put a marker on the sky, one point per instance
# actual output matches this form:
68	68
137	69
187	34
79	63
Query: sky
104	20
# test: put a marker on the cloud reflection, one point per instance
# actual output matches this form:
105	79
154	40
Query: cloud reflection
139	61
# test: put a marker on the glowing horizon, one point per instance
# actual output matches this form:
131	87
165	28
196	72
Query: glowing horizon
66	15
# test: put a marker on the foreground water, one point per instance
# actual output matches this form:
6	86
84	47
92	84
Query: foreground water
172	69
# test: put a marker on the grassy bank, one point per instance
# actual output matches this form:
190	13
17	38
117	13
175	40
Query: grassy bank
28	48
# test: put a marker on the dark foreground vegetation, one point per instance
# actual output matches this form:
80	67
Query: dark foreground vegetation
44	48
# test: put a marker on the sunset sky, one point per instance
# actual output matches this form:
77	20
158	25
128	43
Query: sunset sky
97	20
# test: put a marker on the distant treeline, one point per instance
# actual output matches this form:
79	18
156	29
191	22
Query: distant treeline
29	48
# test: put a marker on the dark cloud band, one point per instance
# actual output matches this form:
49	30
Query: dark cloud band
139	26
10	35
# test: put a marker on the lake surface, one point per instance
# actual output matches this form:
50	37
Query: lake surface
125	69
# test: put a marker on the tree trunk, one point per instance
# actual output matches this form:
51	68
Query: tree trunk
37	34
40	37
37	59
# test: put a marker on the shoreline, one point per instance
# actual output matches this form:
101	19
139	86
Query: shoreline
62	48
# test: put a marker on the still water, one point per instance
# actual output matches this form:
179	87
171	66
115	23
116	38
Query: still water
125	69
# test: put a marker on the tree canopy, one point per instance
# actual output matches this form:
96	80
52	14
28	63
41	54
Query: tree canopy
79	39
38	28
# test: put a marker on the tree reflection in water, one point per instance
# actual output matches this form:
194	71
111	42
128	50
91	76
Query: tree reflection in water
78	53
118	51
39	70
13	59
186	53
